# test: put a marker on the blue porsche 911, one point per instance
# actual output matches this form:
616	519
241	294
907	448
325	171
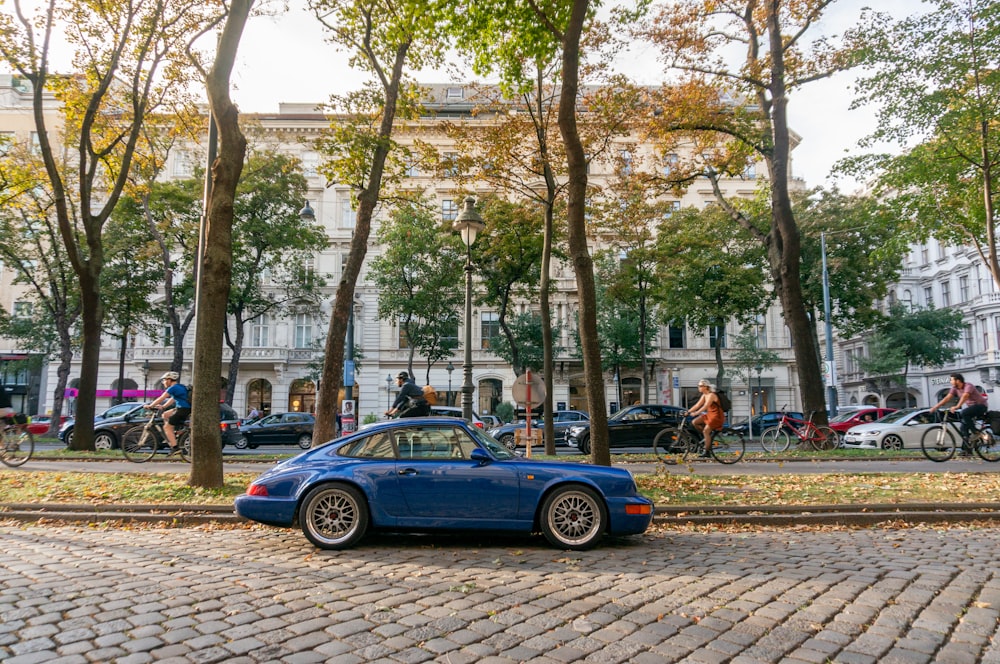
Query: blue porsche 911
434	474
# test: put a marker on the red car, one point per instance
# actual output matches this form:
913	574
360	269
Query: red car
844	421
39	424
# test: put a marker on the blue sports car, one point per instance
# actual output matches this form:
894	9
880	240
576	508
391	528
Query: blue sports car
437	473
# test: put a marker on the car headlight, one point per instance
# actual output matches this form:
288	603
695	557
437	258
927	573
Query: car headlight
873	433
576	429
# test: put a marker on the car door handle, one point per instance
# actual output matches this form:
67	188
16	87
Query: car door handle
407	471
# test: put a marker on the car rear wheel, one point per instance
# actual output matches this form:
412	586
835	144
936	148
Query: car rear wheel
241	443
305	441
334	516
573	517
507	440
583	444
104	441
892	442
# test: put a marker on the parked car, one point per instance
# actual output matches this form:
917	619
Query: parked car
845	420
898	430
108	431
441	474
456	411
66	430
762	422
561	421
278	429
490	421
40	424
633	426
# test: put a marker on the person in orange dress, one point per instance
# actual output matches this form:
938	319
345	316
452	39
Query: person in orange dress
709	413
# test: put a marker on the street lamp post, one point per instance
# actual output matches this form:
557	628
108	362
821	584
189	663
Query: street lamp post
760	391
145	378
449	369
388	391
468	223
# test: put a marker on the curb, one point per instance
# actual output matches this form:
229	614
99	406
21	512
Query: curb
790	515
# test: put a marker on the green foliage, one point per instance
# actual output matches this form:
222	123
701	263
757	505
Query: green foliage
420	278
526	331
748	355
707	270
922	337
935	81
505	411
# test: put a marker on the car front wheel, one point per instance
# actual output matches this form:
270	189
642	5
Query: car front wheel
892	442
573	517
334	516
583	444
305	441
104	441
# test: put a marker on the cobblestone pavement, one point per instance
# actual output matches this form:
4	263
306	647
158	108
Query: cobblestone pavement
255	594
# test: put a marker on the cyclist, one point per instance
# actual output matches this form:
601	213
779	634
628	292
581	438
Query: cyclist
709	414
175	395
410	401
968	396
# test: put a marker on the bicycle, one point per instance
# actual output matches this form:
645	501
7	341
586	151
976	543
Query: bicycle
678	444
141	442
939	443
818	436
17	444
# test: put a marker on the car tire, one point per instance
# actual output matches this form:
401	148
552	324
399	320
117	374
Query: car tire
104	441
68	437
573	517
892	442
583	444
241	443
305	441
507	440
334	516
252	446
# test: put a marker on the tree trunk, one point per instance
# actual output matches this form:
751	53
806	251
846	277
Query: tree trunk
583	263
216	269
92	316
234	361
548	361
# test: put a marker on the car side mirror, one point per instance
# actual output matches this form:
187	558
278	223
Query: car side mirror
480	456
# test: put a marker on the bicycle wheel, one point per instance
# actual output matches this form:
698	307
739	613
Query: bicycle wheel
692	446
987	445
139	444
728	446
18	446
823	439
938	443
665	443
184	444
774	440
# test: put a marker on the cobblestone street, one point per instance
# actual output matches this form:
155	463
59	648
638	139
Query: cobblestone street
72	594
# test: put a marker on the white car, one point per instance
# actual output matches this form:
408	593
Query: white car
898	430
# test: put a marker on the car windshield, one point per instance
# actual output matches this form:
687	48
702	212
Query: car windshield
843	417
491	444
898	415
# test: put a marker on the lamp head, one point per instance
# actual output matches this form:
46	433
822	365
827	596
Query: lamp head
307	214
469	222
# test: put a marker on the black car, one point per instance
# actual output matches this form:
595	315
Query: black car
634	426
66	430
108	431
278	429
561	422
761	422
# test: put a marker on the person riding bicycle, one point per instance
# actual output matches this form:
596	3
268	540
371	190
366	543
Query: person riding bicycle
410	401
709	414
175	395
968	396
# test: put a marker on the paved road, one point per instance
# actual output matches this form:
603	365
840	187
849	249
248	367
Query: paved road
265	595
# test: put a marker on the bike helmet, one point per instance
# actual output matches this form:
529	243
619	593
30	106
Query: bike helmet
172	375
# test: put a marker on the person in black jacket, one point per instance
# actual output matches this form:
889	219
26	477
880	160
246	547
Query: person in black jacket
5	404
410	402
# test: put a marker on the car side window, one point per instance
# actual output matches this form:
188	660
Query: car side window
376	446
432	443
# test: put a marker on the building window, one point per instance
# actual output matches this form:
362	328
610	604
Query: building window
945	294
449	209
626	161
716	337
404	339
455	93
310	164
928	296
303	331
348	216
22	309
167	336
412	168
967	344
183	165
750	172
676	336
489	327
672	207
963	288
260	332
450	164
761	334
925	254
669	163
907	300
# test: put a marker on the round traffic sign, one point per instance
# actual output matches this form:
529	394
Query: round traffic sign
519	390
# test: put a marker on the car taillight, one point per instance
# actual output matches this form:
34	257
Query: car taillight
257	490
638	509
224	426
479	424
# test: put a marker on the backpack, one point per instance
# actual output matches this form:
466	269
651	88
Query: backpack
724	403
430	395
